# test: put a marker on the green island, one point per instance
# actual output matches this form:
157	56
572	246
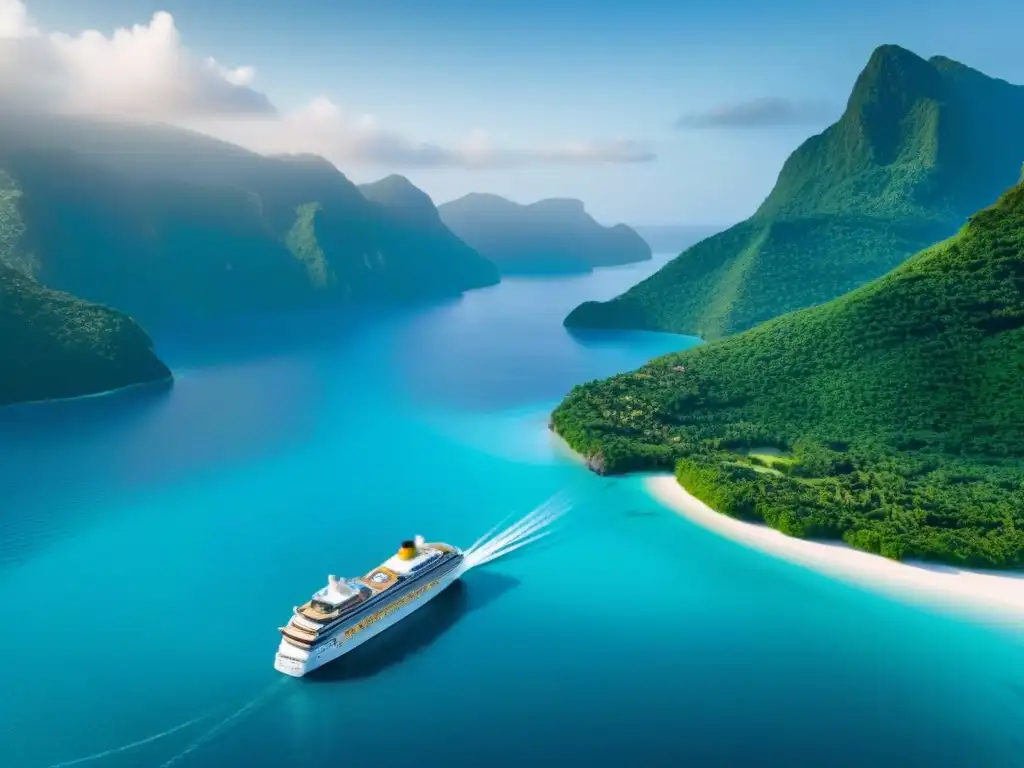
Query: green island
921	145
53	345
891	418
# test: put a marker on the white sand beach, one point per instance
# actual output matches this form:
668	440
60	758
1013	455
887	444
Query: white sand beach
991	597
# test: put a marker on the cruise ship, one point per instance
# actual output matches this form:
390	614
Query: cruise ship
348	612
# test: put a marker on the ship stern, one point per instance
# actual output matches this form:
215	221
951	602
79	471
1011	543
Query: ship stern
291	661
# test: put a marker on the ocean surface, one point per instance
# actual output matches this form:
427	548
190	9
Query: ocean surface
151	544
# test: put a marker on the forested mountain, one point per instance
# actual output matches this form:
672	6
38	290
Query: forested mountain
921	145
892	417
53	345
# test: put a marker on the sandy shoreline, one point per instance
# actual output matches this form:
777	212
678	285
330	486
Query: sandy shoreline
991	597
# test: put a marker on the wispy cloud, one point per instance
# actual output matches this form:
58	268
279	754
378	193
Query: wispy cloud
325	129
766	112
145	72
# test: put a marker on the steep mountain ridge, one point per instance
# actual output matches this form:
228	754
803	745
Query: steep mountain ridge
920	146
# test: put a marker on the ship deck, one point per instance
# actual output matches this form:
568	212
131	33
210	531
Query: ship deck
381	580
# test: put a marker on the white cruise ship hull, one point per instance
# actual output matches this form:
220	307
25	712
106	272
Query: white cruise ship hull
297	662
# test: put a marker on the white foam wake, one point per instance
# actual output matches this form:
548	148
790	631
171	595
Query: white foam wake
261	698
228	721
499	542
132	745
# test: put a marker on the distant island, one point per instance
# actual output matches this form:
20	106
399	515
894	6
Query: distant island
549	236
163	224
53	345
891	418
920	146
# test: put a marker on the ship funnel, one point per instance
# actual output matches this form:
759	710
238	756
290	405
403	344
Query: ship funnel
419	542
408	550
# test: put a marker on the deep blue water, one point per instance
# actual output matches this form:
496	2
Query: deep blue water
151	544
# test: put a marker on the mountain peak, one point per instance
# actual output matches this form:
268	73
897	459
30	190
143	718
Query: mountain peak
308	159
892	80
397	192
891	68
394	181
921	146
481	198
890	54
561	205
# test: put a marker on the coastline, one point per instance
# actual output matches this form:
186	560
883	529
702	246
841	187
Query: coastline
562	448
164	383
989	596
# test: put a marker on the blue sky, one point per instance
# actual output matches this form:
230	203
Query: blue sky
533	75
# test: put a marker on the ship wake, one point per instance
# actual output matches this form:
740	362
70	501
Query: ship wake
126	747
501	541
232	719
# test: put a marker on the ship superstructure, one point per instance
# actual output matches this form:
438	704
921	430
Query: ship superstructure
348	612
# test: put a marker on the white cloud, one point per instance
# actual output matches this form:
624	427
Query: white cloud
323	128
145	72
139	71
14	19
241	76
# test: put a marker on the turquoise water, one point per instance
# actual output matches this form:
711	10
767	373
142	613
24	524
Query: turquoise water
151	544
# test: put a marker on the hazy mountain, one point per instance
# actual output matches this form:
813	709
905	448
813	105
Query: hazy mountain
161	222
549	236
412	218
